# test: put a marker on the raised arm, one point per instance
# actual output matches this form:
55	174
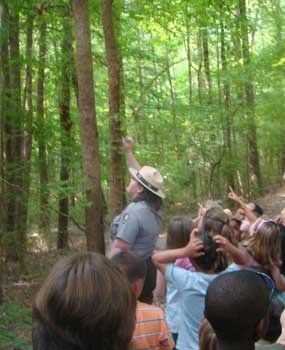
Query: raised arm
225	246
247	211
128	145
192	250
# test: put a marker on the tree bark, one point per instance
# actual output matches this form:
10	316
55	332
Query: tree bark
114	76
28	129
253	159
14	175
43	164
173	110
226	103
66	125
88	128
207	64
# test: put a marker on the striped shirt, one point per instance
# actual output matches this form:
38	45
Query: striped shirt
151	331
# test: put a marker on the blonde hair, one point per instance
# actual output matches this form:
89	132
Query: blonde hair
207	336
265	244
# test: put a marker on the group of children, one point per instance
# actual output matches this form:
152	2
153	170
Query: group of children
220	275
216	242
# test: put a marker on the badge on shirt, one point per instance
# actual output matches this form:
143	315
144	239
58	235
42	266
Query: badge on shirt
125	218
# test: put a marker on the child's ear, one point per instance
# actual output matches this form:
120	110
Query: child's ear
262	327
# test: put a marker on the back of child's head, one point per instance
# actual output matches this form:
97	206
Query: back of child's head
274	326
235	304
265	244
207	336
206	262
84	299
216	221
134	266
178	232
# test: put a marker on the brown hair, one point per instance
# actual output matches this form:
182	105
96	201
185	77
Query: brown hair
265	244
178	232
84	299
207	336
216	222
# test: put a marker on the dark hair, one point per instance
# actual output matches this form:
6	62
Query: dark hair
274	327
207	261
84	299
258	211
235	303
150	198
133	266
178	232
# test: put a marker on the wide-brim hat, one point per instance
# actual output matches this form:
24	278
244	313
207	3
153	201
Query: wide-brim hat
150	178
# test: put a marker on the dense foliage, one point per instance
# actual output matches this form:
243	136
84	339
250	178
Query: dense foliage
202	95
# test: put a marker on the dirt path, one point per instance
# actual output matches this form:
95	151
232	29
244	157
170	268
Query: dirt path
273	202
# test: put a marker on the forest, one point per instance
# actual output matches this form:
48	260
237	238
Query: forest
198	84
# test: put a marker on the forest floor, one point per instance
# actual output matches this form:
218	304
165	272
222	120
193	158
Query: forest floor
20	287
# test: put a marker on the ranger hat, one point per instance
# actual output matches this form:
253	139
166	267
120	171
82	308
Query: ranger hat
150	178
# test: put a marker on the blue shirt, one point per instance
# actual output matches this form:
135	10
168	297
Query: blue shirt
192	288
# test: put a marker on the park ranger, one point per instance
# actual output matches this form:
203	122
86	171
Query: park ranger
137	228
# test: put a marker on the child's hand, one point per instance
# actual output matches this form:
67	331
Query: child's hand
195	246
201	211
128	143
223	243
233	196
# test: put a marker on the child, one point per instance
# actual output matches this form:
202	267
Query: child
236	305
207	336
262	253
151	331
192	285
178	235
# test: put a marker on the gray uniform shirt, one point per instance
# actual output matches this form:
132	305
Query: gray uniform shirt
139	225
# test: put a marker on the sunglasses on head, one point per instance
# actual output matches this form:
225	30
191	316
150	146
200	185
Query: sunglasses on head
262	222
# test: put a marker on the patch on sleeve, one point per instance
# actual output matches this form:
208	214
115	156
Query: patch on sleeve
125	218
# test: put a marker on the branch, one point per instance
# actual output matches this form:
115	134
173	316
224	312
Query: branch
146	89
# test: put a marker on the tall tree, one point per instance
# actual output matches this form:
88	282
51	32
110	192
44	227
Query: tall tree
28	125
14	125
115	113
65	122
43	164
226	101
88	128
253	158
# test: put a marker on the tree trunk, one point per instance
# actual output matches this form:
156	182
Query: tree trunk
27	137
5	102
207	64
226	103
43	164
14	174
200	58
115	115
189	60
173	110
66	125
254	167
88	128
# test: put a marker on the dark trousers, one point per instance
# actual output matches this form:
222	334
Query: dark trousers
149	283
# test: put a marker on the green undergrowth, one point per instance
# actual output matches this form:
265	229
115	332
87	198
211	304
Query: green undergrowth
15	326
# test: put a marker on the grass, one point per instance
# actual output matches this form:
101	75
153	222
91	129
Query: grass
15	326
